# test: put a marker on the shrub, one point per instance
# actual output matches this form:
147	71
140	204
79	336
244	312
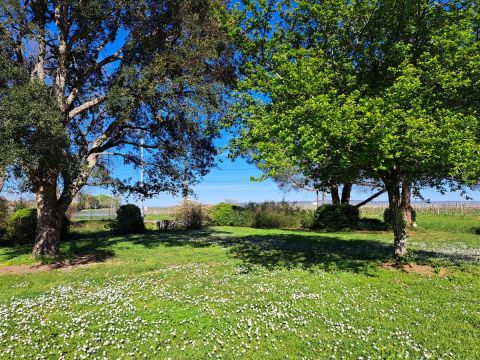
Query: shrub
308	219
387	218
3	219
223	215
275	215
129	220
3	234
3	211
192	215
244	217
336	217
21	226
231	215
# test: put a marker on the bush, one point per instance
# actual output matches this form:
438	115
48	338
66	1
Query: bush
223	215
192	215
271	215
3	211
129	221
387	218
308	219
336	217
3	219
21	226
3	235
231	215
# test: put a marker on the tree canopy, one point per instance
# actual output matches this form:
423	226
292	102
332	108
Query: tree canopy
385	90
83	79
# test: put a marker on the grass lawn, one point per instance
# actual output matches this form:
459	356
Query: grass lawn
247	293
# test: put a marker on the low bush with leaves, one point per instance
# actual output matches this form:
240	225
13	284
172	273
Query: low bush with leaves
308	219
21	226
4	213
387	218
231	215
192	215
129	221
336	217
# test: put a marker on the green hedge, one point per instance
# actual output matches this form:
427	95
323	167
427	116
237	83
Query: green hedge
336	217
21	226
129	221
231	215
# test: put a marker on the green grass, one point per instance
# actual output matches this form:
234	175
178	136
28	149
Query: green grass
248	293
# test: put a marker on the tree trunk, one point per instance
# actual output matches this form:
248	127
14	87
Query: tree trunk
335	195
2	179
406	203
398	221
49	222
346	192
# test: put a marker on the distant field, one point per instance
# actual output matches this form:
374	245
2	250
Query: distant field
246	293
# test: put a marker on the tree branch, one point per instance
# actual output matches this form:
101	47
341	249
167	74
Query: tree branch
83	79
85	106
370	198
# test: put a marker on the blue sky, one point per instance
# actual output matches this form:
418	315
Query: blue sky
230	180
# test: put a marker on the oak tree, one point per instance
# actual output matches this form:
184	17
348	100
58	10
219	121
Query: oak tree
84	81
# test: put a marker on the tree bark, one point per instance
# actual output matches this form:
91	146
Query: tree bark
2	179
346	192
335	195
398	221
406	203
49	221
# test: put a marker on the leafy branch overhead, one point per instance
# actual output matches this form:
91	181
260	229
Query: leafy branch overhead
90	79
342	91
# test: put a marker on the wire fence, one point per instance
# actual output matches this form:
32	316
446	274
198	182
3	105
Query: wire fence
374	207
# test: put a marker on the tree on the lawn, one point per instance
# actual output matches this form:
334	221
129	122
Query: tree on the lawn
83	82
373	89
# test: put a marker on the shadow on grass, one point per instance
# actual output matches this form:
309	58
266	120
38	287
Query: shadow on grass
285	249
475	230
306	250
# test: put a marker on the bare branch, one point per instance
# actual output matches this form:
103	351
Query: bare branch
85	106
83	79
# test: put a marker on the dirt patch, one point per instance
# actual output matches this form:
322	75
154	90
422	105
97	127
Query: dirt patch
64	265
424	270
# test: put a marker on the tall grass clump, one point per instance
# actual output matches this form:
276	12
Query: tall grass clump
273	215
192	215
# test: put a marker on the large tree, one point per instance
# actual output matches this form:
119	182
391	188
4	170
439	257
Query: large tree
83	80
385	89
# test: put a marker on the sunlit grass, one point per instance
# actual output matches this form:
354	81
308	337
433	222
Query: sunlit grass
247	293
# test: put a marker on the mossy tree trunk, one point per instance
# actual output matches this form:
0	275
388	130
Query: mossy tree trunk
392	185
